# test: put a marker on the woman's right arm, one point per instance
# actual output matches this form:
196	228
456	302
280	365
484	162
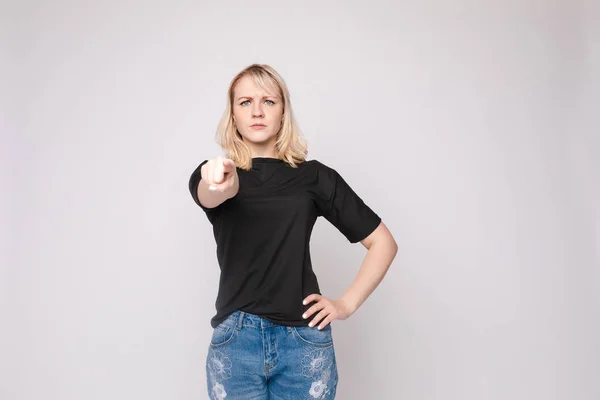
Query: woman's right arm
219	182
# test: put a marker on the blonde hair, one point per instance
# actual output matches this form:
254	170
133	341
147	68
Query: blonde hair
291	145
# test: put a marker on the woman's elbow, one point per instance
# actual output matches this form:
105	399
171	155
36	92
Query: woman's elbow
382	238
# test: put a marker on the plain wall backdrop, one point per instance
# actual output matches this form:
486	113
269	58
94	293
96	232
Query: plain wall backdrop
468	126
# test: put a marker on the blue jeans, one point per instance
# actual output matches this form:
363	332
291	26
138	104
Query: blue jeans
250	358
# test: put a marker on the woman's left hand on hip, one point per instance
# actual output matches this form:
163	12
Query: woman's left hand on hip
328	310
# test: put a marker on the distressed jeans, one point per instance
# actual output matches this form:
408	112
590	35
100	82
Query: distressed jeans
250	358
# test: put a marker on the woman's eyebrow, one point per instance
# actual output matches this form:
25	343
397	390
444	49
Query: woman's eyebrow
264	97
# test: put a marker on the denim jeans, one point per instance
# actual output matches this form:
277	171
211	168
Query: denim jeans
250	358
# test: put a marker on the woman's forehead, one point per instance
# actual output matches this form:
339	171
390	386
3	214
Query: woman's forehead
249	86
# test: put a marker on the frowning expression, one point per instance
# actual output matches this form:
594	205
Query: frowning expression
257	111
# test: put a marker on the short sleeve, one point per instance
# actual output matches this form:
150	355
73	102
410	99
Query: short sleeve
194	181
343	207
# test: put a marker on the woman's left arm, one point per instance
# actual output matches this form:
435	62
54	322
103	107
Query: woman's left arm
382	249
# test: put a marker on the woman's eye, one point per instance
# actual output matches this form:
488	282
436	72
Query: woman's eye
270	102
243	103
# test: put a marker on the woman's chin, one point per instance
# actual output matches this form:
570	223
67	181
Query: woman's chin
259	138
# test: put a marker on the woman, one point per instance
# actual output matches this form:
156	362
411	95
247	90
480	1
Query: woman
272	335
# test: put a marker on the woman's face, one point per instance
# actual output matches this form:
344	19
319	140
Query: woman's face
257	114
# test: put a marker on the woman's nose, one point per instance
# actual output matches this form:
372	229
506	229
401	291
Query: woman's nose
257	110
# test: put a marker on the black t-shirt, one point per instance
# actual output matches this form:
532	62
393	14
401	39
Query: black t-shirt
262	235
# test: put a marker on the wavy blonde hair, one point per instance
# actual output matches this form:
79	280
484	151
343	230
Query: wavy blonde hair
291	145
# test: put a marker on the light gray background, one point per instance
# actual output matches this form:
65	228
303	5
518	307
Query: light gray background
469	126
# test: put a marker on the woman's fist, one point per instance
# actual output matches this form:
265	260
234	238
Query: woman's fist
219	174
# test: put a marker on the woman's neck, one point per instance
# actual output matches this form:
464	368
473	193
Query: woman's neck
263	151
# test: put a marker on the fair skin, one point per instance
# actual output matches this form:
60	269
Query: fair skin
258	114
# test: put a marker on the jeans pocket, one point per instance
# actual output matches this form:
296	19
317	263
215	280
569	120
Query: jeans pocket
314	336
222	334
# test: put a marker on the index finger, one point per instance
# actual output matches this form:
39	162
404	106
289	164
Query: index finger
219	171
312	297
228	165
